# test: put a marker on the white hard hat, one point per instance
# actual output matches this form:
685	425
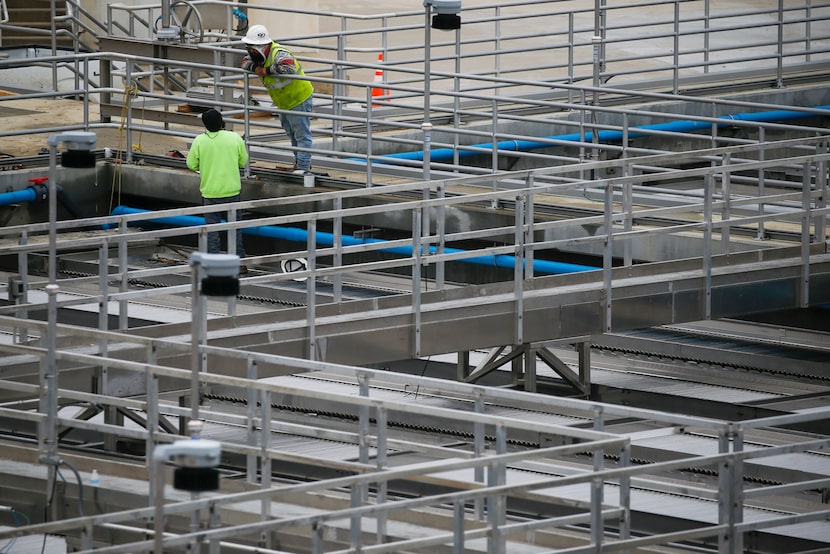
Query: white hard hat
257	35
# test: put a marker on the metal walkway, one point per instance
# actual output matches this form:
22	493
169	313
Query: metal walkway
554	174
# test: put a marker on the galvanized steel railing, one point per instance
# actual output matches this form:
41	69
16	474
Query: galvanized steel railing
517	200
477	506
613	185
551	40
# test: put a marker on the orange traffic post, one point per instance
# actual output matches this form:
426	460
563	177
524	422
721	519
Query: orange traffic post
378	90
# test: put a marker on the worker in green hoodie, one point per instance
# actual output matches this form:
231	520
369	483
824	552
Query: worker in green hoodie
217	155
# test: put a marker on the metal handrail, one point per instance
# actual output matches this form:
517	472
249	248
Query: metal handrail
803	210
251	125
348	42
595	442
491	193
570	57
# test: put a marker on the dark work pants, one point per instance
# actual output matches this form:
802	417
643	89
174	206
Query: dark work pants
214	239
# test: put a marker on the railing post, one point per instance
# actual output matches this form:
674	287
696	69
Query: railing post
440	235
337	260
311	290
426	129
317	542
494	125
582	117
726	211
806	202
198	338
597	486
780	54
123	270
232	217
737	489
153	419
478	452
363	419
821	188
381	462
497	505
21	295
53	14
600	24
128	116
102	371
103	287
339	88
625	495
728	484
707	245
359	491
628	208
458	527
246	121
518	270
676	48
369	136
528	234
571	46
608	256
87	87
416	280
265	464
251	459
761	183
706	38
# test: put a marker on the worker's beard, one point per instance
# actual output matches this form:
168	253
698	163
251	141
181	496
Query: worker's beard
256	55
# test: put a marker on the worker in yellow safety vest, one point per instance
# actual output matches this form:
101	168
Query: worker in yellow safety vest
273	63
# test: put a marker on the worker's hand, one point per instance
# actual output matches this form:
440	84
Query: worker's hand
261	71
248	64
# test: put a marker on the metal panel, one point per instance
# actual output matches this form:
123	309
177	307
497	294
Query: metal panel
747	298
165	51
362	332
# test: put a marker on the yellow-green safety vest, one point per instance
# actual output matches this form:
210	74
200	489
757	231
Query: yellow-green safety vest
286	93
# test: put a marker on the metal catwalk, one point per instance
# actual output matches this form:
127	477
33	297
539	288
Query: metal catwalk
521	308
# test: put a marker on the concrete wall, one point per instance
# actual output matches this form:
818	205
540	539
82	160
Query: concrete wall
285	25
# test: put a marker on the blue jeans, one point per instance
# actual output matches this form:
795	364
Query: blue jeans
214	238
298	128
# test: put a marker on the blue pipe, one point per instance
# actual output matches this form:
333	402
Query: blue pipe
446	154
15	197
39	191
327	239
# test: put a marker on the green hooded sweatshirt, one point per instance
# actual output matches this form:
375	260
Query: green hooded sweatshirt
217	156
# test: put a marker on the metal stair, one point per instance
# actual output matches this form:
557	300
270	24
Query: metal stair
32	23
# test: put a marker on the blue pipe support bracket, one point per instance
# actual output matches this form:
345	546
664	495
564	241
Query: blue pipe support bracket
295	234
